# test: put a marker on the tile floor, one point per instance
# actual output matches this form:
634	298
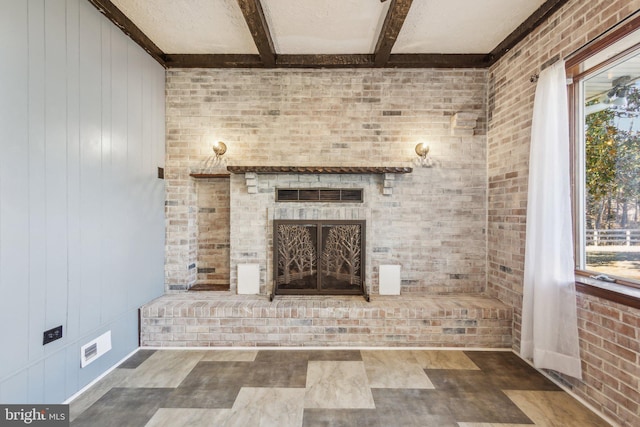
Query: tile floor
368	388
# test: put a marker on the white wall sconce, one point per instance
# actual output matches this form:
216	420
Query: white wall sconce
424	160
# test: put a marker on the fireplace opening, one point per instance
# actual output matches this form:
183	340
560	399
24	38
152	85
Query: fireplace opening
318	257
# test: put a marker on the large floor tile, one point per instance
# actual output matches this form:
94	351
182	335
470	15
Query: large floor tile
554	408
222	397
509	372
234	375
265	407
229	355
282	356
419	401
286	356
123	407
449	407
413	408
114	379
217	376
341	418
493	425
394	369
444	359
137	359
288	375
486	407
337	385
189	417
166	368
336	355
454	381
474	397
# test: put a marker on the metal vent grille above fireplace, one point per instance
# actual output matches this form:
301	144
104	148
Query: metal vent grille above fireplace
349	195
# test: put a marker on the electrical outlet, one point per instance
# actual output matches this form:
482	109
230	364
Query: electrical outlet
52	335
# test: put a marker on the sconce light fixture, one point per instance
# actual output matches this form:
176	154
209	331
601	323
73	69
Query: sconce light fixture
216	160
219	148
422	150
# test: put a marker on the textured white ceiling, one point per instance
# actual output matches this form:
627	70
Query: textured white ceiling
327	26
461	26
191	26
324	27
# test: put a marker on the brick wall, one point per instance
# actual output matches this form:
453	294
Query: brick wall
609	342
609	335
434	222
213	231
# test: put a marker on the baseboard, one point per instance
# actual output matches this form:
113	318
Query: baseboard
248	348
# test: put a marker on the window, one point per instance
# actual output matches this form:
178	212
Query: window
606	94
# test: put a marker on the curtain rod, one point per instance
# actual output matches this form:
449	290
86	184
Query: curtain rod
626	21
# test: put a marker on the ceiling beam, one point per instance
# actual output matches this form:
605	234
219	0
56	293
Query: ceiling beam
127	26
547	9
417	60
254	15
438	60
398	10
324	61
213	61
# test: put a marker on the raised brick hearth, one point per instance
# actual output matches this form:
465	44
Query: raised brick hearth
207	319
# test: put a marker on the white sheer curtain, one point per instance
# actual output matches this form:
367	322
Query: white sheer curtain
549	320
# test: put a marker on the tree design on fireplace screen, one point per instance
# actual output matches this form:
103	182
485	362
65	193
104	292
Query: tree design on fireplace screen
319	257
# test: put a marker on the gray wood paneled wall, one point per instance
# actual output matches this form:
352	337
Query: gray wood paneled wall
81	207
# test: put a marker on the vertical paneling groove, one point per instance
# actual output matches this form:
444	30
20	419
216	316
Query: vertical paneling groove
134	161
37	179
118	185
90	168
55	163
108	298
157	194
14	200
73	192
76	212
55	212
146	196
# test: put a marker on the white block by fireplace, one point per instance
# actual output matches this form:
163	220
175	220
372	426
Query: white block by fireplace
389	279
248	279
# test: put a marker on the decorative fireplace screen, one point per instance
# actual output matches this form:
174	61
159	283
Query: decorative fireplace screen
318	257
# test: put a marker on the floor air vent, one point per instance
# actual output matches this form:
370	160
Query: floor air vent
351	195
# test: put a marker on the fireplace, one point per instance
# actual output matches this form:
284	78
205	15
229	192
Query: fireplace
312	257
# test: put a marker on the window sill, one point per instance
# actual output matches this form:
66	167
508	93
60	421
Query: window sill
610	291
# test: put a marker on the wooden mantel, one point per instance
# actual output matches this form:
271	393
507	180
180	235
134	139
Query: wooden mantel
320	169
251	173
209	175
